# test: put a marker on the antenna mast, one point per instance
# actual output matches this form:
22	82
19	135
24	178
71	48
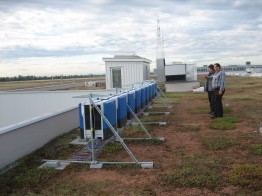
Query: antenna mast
163	46
160	56
160	49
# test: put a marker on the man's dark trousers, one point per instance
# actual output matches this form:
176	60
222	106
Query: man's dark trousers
218	106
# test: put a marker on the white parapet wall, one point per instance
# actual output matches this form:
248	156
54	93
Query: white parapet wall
23	138
16	107
29	120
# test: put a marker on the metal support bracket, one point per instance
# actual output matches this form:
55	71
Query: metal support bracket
155	113
150	107
95	165
150	123
162	139
138	121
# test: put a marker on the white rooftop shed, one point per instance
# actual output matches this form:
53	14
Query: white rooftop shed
126	69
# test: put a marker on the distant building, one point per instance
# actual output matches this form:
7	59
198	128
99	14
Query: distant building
125	69
180	71
235	68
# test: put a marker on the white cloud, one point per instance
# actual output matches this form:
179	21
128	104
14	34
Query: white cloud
49	66
77	34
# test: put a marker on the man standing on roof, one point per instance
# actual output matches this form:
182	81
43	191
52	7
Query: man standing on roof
218	83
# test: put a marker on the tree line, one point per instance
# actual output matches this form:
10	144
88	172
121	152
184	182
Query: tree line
24	78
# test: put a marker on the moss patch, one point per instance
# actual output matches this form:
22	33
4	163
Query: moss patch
256	149
112	148
247	175
196	171
226	123
218	142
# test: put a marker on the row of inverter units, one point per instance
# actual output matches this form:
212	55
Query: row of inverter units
115	109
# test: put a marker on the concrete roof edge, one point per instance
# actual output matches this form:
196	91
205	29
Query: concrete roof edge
30	121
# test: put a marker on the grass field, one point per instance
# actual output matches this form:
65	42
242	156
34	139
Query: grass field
40	83
200	156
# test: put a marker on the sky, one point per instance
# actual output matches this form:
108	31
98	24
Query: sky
67	37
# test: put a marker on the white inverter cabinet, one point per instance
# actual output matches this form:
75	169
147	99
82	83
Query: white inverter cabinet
101	129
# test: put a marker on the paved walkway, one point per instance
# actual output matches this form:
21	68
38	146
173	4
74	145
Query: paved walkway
181	87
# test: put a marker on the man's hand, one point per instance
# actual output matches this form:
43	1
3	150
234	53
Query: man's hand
220	93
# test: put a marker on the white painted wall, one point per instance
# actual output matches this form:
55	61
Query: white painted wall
132	70
190	70
16	142
22	106
175	70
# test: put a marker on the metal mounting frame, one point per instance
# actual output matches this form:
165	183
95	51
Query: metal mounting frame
96	164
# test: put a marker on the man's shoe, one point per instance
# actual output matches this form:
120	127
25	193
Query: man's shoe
213	117
210	112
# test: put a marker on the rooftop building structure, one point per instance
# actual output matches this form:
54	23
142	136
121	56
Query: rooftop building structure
126	69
